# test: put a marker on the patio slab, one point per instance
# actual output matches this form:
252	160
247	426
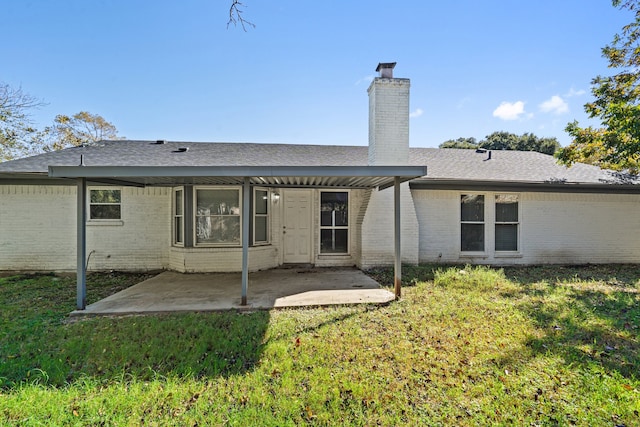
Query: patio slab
283	287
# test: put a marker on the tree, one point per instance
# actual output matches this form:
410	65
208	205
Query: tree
616	144
468	143
506	141
18	136
500	141
81	128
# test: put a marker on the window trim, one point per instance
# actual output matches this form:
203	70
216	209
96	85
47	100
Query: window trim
483	223
195	216
174	216
321	227
254	215
103	221
516	223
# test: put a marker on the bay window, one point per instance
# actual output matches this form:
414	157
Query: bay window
217	216
260	216
178	216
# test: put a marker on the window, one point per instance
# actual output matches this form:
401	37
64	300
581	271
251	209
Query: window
260	216
471	223
334	222
506	222
178	216
217	216
104	204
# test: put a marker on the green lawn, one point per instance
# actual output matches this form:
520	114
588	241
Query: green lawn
464	346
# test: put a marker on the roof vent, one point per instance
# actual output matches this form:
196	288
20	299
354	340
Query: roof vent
386	69
182	150
480	150
160	142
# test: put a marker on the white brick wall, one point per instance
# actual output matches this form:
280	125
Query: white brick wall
142	241
389	121
38	230
388	145
378	229
221	260
555	228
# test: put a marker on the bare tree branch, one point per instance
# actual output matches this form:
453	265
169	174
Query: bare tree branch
16	100
18	136
235	15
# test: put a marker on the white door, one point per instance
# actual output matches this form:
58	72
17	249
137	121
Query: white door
296	227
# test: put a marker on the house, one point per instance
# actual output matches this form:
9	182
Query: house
212	207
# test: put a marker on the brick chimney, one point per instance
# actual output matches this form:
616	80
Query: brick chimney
388	118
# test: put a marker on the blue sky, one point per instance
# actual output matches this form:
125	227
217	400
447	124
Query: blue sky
172	70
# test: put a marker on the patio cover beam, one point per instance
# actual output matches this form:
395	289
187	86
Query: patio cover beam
319	176
233	171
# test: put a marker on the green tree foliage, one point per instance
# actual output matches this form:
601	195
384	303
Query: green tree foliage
469	143
81	128
500	141
506	141
18	136
616	144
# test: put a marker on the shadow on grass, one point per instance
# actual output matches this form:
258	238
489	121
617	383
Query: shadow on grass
584	314
39	345
587	314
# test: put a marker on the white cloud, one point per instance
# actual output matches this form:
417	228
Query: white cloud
555	105
417	113
366	79
574	92
463	102
509	110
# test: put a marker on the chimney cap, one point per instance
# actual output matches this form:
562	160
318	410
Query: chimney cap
386	69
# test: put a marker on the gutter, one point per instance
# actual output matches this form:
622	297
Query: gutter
525	186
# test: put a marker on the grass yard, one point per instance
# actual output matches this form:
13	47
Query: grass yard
465	346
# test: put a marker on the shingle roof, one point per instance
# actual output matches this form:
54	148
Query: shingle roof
443	164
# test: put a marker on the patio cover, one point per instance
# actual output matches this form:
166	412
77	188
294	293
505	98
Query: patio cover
380	177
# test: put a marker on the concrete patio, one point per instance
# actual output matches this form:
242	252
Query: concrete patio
277	288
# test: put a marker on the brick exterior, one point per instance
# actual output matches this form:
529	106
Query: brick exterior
388	145
554	228
221	260
389	121
377	246
38	230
